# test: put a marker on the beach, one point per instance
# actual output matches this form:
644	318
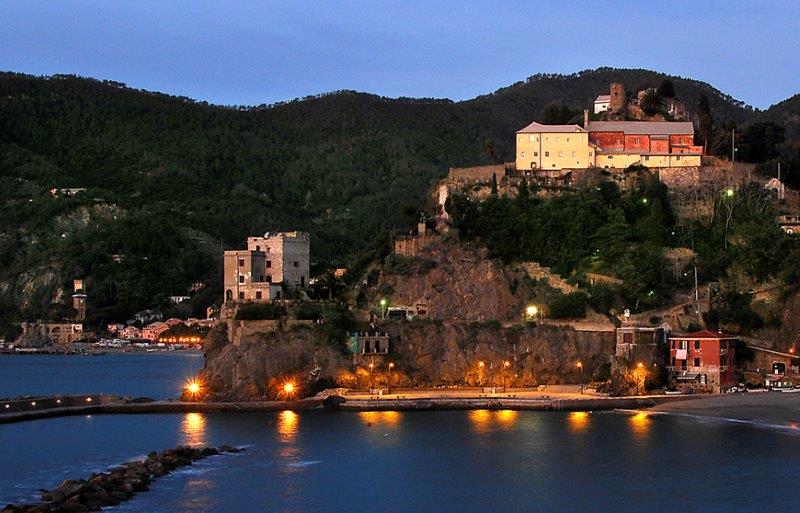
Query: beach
774	408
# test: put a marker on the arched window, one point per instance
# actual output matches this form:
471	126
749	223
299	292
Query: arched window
229	295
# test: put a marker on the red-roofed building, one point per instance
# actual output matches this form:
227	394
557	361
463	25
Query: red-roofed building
703	360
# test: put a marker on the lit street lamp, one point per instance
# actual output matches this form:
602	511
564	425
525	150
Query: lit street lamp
384	307
580	369
531	311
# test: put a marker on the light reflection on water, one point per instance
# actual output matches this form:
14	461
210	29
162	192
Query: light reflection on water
640	424
578	421
380	418
288	423
193	429
485	421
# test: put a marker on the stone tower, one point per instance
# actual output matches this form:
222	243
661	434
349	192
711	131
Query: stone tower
618	97
79	300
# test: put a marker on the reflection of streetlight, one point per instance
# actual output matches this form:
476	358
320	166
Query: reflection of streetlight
580	369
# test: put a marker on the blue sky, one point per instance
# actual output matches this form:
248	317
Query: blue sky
250	53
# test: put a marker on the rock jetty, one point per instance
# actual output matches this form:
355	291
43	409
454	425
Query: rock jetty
117	485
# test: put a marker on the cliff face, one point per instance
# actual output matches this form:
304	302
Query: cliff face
457	281
426	353
433	353
255	367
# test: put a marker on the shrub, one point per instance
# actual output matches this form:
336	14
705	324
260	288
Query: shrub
568	306
260	312
602	297
307	311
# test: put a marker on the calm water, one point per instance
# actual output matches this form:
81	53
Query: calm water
476	461
157	375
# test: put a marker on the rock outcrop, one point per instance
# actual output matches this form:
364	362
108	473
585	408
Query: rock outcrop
426	353
457	281
119	484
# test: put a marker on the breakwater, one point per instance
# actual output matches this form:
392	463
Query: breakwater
118	485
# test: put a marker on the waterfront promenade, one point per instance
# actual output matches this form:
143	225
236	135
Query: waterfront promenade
30	408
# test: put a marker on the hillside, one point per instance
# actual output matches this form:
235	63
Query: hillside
170	180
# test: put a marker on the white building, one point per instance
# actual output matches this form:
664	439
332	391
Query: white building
602	103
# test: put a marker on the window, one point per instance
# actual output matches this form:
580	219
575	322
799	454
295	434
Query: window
567	139
269	278
241	262
547	154
241	295
558	139
697	344
535	153
532	137
697	362
258	248
678	157
573	153
241	278
523	154
269	264
560	153
683	344
295	264
646	158
258	294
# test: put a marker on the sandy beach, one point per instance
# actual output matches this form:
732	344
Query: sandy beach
773	408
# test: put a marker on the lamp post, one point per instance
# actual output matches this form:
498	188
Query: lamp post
506	365
580	369
391	367
371	377
384	307
480	372
531	311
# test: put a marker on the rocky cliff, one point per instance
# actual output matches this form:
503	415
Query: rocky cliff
457	281
426	353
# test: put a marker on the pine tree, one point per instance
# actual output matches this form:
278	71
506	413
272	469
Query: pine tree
705	120
494	184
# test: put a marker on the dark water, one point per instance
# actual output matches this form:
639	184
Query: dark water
157	375
460	462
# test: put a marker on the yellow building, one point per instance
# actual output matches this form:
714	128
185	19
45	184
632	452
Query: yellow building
553	147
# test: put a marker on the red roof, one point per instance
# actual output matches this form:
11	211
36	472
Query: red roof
703	334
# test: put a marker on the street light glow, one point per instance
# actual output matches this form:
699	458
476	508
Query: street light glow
729	193
481	364
579	365
193	387
384	302
532	310
288	388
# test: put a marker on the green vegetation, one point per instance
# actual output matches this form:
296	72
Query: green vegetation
170	181
625	234
260	312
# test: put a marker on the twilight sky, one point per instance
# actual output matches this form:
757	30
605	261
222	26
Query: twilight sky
248	52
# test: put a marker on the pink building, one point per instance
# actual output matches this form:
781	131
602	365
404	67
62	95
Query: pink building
153	331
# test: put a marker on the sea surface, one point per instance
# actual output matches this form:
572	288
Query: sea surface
415	462
158	375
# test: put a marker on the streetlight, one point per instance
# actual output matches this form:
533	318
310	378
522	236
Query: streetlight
506	365
384	304
391	366
580	369
193	388
480	372
531	311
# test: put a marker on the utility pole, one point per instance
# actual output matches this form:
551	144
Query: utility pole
733	146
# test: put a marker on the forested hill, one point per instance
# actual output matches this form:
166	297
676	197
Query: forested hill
171	180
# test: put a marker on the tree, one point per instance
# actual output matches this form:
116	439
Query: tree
651	102
759	142
705	121
556	114
494	184
666	89
523	193
488	150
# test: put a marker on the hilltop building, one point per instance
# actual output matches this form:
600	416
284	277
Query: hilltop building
607	144
79	300
268	265
602	103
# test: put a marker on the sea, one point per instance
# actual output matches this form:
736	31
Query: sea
438	461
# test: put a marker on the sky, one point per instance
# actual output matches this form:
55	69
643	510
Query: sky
250	53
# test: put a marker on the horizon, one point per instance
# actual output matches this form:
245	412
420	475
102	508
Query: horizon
258	53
